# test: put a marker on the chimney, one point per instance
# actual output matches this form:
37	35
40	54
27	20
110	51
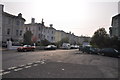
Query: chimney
33	20
20	15
1	7
51	25
42	22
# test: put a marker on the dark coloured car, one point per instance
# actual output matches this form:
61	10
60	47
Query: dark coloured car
50	47
86	49
94	50
4	44
26	48
110	52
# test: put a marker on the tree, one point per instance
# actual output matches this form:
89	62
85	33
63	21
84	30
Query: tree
63	40
27	37
44	42
100	38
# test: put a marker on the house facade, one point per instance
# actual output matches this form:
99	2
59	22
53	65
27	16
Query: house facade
12	26
40	31
49	33
1	10
115	29
59	35
36	29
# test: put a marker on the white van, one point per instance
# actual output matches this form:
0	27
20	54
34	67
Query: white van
66	46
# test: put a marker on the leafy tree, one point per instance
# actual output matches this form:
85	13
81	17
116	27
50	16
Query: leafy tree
64	40
100	38
44	42
27	37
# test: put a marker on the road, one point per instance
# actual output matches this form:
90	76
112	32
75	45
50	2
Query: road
57	64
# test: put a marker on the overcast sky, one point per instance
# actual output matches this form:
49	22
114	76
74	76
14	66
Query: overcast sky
78	16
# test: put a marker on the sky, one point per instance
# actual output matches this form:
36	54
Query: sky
81	17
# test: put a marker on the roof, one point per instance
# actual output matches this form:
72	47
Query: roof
114	18
10	15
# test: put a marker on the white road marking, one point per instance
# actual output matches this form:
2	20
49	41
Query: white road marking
29	63
22	65
37	61
1	70
18	69
59	61
1	74
5	73
63	69
35	64
27	66
42	62
12	68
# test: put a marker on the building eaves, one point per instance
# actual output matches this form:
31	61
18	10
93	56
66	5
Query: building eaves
13	16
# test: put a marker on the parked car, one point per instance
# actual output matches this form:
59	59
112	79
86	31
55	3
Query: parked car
26	48
86	49
110	52
50	47
89	49
4	44
94	50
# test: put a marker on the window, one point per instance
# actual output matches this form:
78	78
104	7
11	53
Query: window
16	32
26	28
51	38
52	32
47	37
39	36
9	22
21	33
39	28
17	23
8	31
29	28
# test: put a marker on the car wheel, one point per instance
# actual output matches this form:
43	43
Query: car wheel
33	49
18	50
118	56
24	50
102	54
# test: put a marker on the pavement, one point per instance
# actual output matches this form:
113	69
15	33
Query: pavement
3	49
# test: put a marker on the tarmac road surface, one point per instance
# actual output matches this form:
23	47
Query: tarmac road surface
58	64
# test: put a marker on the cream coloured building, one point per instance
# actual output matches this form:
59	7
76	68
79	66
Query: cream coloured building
40	31
36	29
12	26
59	35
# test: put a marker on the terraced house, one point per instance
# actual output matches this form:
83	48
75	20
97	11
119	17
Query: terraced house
36	29
12	26
115	29
40	31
